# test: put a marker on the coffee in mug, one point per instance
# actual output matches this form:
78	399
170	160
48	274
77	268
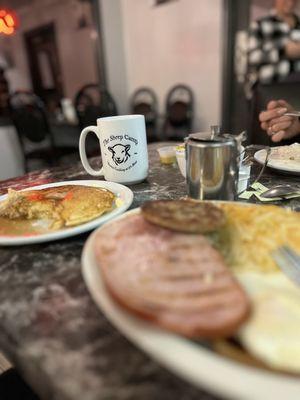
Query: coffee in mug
123	147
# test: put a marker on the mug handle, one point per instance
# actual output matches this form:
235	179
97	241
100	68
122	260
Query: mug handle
82	152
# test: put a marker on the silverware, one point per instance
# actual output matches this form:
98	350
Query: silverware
268	152
293	113
289	262
249	160
280	191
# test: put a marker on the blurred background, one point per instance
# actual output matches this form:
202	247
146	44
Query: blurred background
181	63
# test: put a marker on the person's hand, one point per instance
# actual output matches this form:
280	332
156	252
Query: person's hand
276	124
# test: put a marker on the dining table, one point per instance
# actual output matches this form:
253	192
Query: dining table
51	330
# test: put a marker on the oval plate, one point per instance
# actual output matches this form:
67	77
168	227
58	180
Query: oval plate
123	193
278	165
189	360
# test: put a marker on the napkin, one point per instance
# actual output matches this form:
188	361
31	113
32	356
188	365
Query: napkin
259	189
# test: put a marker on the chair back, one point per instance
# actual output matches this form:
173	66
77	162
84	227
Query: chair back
144	101
92	102
29	116
180	106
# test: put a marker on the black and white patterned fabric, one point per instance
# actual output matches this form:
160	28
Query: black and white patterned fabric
267	61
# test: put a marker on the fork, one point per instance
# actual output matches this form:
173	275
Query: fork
293	113
288	261
248	160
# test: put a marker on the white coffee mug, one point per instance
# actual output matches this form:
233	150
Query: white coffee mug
123	147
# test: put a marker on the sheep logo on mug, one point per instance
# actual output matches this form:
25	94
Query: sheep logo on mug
120	153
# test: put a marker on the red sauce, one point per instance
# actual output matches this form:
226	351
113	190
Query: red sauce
68	196
35	197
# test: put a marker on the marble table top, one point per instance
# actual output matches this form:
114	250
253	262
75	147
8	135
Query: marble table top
50	328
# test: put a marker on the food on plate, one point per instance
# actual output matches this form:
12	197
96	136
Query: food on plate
86	203
282	157
62	206
232	348
252	232
272	333
283	153
178	281
184	216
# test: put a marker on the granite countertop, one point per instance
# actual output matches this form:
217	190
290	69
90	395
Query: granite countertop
50	328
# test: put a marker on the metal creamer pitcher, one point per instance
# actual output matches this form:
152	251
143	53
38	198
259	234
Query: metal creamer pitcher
212	166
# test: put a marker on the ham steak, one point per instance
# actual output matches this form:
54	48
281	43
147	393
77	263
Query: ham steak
178	281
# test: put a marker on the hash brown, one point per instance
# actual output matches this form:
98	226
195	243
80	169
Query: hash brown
252	232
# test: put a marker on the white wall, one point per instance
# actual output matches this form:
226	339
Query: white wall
179	42
114	52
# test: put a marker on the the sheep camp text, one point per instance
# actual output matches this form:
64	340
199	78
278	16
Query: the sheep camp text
120	138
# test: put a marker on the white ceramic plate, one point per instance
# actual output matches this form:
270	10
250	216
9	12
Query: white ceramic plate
123	193
283	166
189	360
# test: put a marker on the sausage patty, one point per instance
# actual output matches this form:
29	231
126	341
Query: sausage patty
184	216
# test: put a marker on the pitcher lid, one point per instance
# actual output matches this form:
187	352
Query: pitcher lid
208	138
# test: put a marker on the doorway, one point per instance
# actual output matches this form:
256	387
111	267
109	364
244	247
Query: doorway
44	64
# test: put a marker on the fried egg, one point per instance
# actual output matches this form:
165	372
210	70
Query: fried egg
272	333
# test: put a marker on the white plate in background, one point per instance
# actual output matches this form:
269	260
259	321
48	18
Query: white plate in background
289	166
123	194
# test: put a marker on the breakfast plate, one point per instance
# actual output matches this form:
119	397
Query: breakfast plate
188	359
123	200
280	160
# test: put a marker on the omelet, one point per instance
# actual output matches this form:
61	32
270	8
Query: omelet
62	206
